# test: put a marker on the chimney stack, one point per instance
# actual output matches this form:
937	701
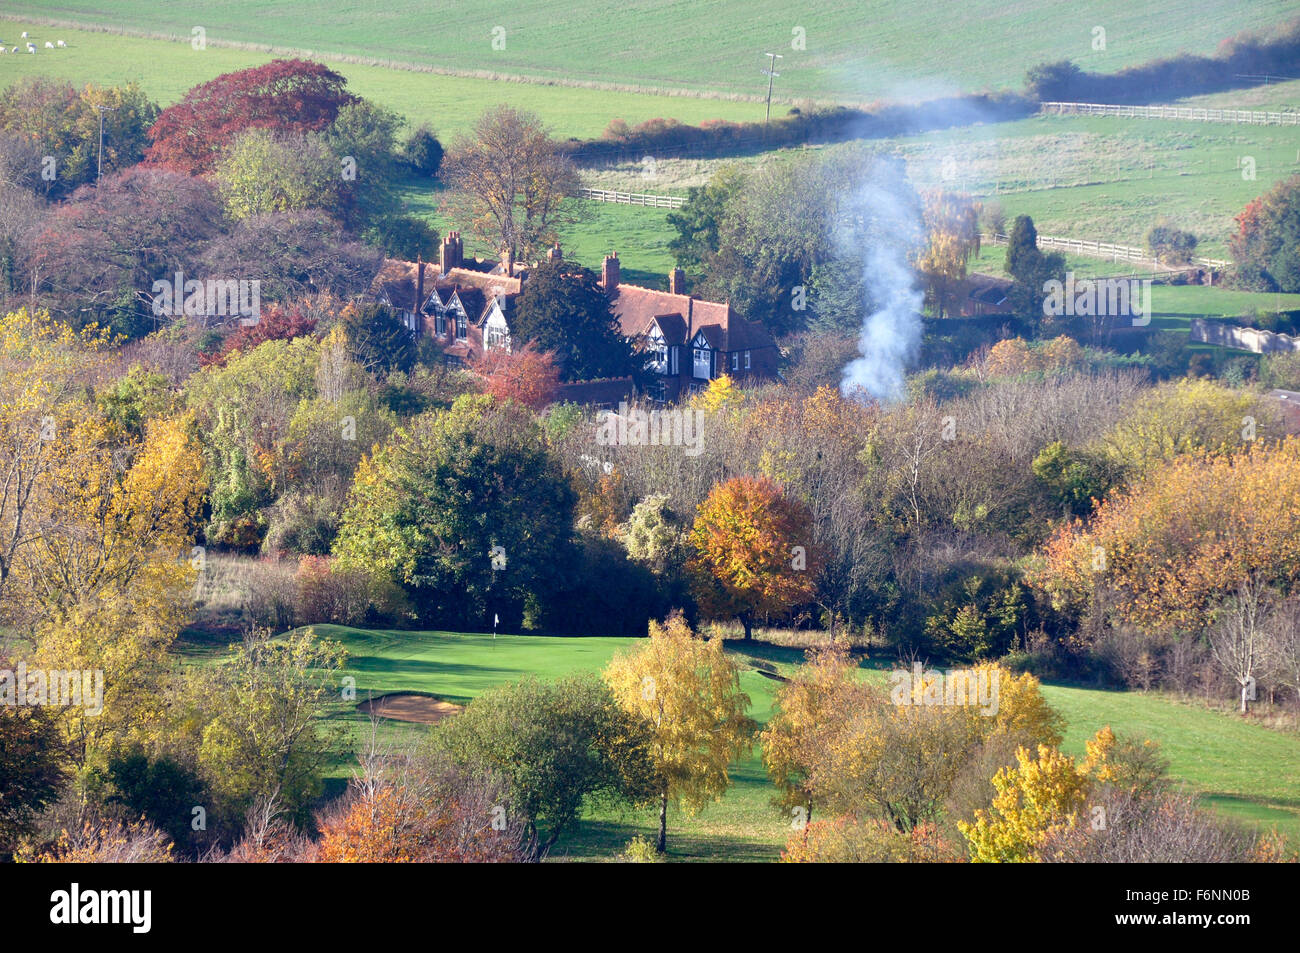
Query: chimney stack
609	272
419	285
554	254
453	252
677	282
508	262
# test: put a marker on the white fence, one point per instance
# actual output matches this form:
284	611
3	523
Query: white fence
1283	117
1108	250
633	198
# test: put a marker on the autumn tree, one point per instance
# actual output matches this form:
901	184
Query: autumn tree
1267	238
1178	543
952	237
514	177
281	96
62	123
259	714
688	690
820	692
1043	794
754	551
524	374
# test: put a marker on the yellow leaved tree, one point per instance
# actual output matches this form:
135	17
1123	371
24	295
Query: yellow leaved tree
688	690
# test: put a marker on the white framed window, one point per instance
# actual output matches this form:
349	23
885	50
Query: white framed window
735	360
462	327
746	360
703	362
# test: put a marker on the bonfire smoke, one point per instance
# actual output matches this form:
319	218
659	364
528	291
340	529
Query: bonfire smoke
889	230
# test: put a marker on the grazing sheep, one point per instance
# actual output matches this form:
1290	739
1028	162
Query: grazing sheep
31	49
61	43
49	45
24	34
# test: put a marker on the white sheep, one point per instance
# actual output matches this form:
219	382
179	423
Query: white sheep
24	34
31	49
61	43
49	45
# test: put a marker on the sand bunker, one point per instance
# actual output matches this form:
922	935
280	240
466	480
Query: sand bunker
405	706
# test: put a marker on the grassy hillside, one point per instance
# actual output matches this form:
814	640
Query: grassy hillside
857	49
1241	769
166	69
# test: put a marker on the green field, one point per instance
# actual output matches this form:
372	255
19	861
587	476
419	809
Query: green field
854	49
1243	770
166	70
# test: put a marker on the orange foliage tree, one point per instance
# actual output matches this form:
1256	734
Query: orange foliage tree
754	551
1178	543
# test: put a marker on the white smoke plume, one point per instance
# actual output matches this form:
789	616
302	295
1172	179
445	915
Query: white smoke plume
887	230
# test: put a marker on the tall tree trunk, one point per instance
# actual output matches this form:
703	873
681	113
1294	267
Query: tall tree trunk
662	845
748	623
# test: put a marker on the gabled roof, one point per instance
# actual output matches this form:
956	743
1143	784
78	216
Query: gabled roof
671	326
637	308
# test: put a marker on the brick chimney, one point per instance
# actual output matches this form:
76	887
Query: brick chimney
507	262
419	285
609	272
554	254
677	282
452	252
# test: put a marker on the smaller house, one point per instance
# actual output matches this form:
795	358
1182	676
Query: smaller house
984	294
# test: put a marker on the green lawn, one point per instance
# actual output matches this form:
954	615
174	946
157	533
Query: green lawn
857	49
1243	770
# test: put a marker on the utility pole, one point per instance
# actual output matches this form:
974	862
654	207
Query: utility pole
771	74
99	169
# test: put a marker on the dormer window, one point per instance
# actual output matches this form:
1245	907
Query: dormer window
462	327
440	324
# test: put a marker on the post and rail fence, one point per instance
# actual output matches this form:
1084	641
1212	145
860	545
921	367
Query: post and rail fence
1108	250
633	198
1253	117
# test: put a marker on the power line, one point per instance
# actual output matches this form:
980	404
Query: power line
771	74
99	170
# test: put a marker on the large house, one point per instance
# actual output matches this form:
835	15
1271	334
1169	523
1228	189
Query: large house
467	307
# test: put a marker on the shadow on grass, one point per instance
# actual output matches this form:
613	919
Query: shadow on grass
604	840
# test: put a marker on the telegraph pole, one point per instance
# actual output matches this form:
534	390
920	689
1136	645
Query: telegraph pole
99	169
771	74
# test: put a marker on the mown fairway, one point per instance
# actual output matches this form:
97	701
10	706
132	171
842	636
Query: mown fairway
856	49
1243	770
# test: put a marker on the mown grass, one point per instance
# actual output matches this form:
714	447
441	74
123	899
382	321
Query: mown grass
859	49
1241	769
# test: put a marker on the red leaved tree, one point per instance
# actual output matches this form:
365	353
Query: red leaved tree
527	375
278	323
283	96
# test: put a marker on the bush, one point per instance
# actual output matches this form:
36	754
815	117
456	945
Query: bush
423	152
